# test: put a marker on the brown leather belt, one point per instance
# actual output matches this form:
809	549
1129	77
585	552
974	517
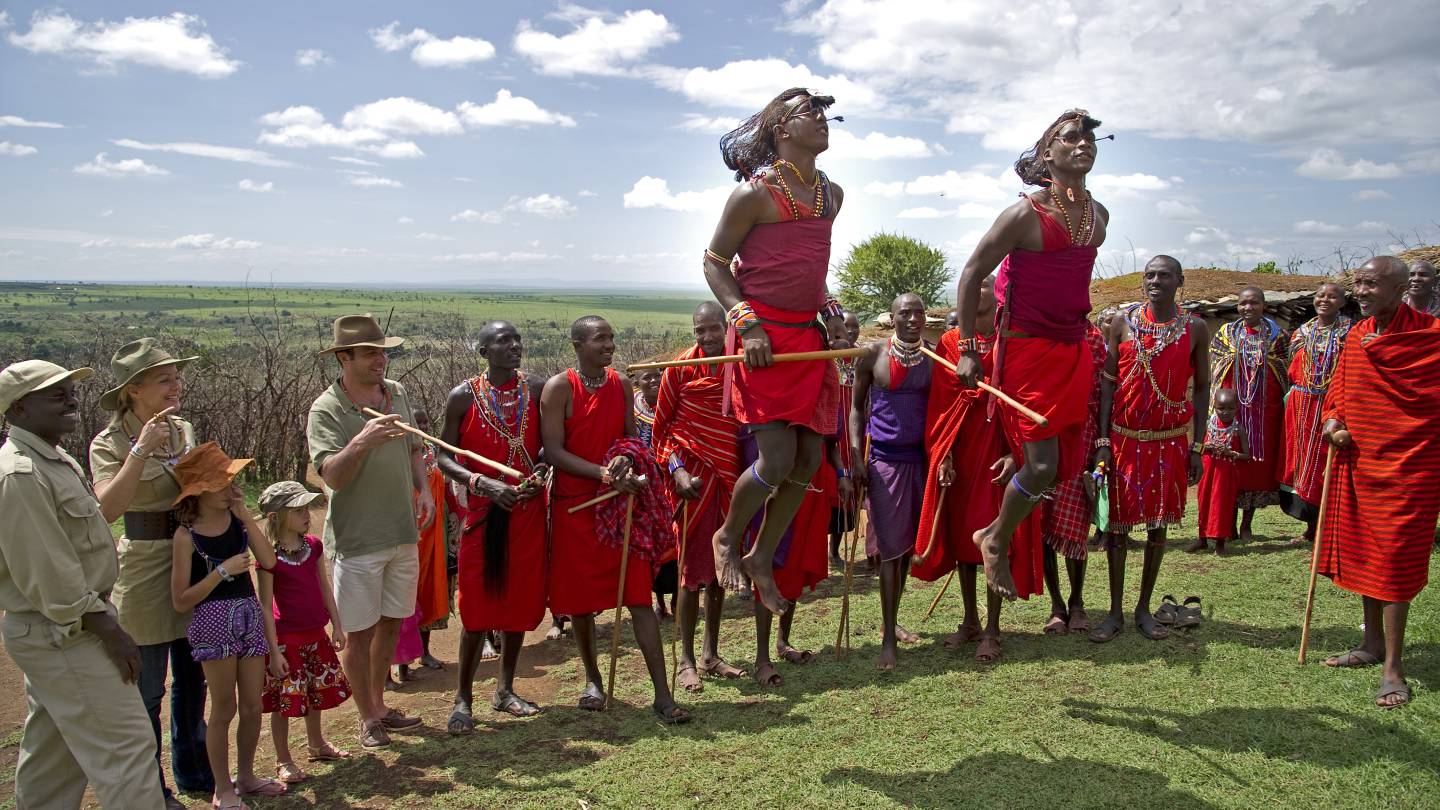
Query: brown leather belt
1151	435
150	525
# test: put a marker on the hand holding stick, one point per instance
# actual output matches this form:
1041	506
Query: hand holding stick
459	451
996	392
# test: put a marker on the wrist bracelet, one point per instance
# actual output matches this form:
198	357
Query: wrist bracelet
605	476
135	451
742	316
225	576
1102	442
675	464
968	344
711	255
842	473
831	308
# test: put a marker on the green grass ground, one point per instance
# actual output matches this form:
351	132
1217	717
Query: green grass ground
1219	717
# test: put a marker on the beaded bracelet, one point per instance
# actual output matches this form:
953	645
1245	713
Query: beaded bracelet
717	258
675	464
1108	376
742	316
831	308
1102	442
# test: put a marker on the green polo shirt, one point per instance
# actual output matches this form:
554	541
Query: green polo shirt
376	510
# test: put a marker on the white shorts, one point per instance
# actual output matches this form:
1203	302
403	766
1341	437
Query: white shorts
380	583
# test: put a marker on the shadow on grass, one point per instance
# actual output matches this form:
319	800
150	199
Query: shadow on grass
1001	780
1323	736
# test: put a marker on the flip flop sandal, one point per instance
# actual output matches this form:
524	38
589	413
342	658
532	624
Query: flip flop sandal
689	679
989	650
1057	626
267	787
797	657
289	773
766	676
460	724
1189	615
1354	659
227	804
1390	688
516	706
592	703
720	668
671	716
327	754
962	636
1100	634
1169	610
1079	622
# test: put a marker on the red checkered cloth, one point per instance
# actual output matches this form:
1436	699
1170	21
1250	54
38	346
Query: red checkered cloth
652	534
1066	526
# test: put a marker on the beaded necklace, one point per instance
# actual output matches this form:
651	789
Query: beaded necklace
300	554
592	382
1221	435
817	210
1432	309
177	437
1322	353
1250	348
846	369
502	408
1087	217
906	353
1162	336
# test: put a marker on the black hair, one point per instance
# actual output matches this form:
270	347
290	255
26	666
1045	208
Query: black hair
488	331
1172	261
580	329
1031	166
497	550
750	147
709	308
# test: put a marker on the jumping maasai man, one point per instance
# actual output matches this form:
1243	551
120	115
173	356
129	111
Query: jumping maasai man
970	463
892	387
698	443
842	517
1045	246
584	412
776	230
1385	488
1250	355
1423	295
1065	524
1156	354
1314	351
501	582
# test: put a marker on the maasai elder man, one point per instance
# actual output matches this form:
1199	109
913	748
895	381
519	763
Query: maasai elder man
1250	355
776	230
85	721
1314	352
892	387
1385	488
1157	352
584	411
842	517
1422	294
501	581
698	443
379	501
1045	246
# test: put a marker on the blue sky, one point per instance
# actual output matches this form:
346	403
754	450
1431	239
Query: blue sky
533	143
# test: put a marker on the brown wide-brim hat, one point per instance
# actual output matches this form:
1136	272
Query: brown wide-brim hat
206	469
355	331
131	361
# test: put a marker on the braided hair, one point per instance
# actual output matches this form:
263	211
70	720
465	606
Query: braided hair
1031	166
750	147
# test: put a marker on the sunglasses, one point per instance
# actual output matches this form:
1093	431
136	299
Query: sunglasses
811	106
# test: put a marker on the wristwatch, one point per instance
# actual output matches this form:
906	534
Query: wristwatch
225	576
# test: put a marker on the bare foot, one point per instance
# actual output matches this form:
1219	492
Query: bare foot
905	636
1197	547
888	658
431	662
964	634
555	632
487	652
997	564
762	576
728	571
1246	535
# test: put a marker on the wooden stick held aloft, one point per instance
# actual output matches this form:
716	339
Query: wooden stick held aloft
996	392
827	354
459	451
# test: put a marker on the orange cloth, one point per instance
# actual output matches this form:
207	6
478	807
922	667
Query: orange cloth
433	593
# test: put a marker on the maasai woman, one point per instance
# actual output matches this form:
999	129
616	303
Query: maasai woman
1314	351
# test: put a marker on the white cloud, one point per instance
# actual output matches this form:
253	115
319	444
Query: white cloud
176	42
547	206
206	241
471	215
259	188
923	212
654	192
17	121
354	161
712	125
509	110
104	167
585	192
232	153
495	257
877	188
306	126
312	58
657	259
406	150
1124	186
1316	227
1177	211
107	212
1329	164
846	145
1370	194
967	210
367	180
599	44
16	149
428	236
405	221
430	50
1206	235
752	83
972	185
403	116
1374	226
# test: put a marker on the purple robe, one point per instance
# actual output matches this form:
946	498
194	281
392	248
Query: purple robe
896	466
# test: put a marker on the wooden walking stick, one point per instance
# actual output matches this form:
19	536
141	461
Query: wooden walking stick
842	636
936	600
619	602
604	497
459	451
827	354
1315	554
679	572
995	392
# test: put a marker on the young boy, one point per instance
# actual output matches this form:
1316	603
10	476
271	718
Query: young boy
1225	446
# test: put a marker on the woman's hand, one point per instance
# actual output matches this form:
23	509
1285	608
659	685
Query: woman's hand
155	432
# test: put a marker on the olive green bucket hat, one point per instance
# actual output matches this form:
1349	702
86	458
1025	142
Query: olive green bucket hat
131	361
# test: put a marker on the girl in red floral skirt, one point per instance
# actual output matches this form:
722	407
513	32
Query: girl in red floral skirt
304	677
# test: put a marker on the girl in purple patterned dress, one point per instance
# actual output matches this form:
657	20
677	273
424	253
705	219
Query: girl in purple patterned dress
211	574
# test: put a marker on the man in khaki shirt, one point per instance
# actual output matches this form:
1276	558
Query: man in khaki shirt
86	722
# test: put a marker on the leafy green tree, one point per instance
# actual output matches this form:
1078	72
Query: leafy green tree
886	265
1266	267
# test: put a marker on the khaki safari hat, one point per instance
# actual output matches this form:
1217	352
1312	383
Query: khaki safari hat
206	469
354	331
27	376
134	359
285	495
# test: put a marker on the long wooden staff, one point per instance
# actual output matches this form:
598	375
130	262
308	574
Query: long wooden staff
619	602
679	572
996	392
827	354
605	497
936	600
934	525
1315	555
842	636
459	451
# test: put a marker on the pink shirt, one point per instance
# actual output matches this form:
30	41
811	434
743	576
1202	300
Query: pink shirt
299	605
